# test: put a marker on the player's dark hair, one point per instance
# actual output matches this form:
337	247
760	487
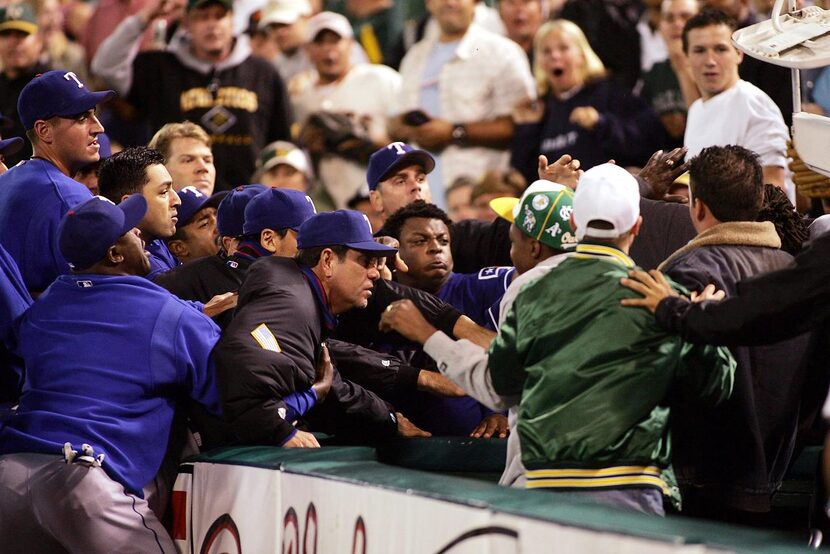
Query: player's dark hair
310	257
729	180
790	226
126	172
419	208
707	18
254	237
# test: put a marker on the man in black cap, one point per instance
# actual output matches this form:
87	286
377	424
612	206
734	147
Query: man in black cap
58	112
90	432
20	47
287	307
210	79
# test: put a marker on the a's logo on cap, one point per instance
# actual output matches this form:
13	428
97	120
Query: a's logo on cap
15	11
568	239
554	230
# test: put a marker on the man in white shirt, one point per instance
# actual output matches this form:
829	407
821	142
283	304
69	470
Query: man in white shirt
730	110
346	104
457	95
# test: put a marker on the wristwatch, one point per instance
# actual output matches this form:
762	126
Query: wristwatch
459	133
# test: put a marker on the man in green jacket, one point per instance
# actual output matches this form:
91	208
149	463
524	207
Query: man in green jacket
596	380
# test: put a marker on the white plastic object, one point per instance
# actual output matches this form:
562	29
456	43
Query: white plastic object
810	138
798	40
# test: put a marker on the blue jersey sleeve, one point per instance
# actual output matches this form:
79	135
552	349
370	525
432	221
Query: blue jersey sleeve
195	339
474	294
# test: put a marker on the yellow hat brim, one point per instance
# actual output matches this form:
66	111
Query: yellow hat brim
504	207
16	25
683	179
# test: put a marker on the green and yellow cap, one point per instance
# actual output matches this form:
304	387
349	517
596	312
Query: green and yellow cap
18	17
543	213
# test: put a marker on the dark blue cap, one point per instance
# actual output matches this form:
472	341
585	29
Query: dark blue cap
277	209
11	146
104	146
341	228
393	156
194	200
56	93
230	216
88	230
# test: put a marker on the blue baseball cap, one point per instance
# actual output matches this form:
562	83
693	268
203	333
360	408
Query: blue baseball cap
10	146
341	228
104	146
393	156
56	93
194	200
277	209
230	216
88	230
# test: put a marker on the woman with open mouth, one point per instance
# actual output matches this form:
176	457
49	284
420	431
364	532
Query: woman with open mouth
580	112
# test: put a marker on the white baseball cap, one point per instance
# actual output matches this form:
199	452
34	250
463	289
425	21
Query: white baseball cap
328	21
607	193
284	12
282	152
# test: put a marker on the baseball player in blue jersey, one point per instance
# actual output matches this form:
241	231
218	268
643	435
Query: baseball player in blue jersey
107	353
14	300
423	231
196	235
141	170
58	112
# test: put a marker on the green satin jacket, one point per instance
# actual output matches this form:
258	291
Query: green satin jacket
597	379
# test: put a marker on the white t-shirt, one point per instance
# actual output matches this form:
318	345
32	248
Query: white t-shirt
742	115
486	78
368	93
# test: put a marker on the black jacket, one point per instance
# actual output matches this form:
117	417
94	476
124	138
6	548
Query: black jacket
735	454
253	380
764	309
666	227
202	279
769	308
243	107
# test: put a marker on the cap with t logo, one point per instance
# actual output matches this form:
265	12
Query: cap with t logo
56	93
341	228
393	156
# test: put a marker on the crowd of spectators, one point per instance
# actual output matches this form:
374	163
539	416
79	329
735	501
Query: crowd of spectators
254	221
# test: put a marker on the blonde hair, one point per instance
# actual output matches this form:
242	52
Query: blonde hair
593	69
508	182
165	136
